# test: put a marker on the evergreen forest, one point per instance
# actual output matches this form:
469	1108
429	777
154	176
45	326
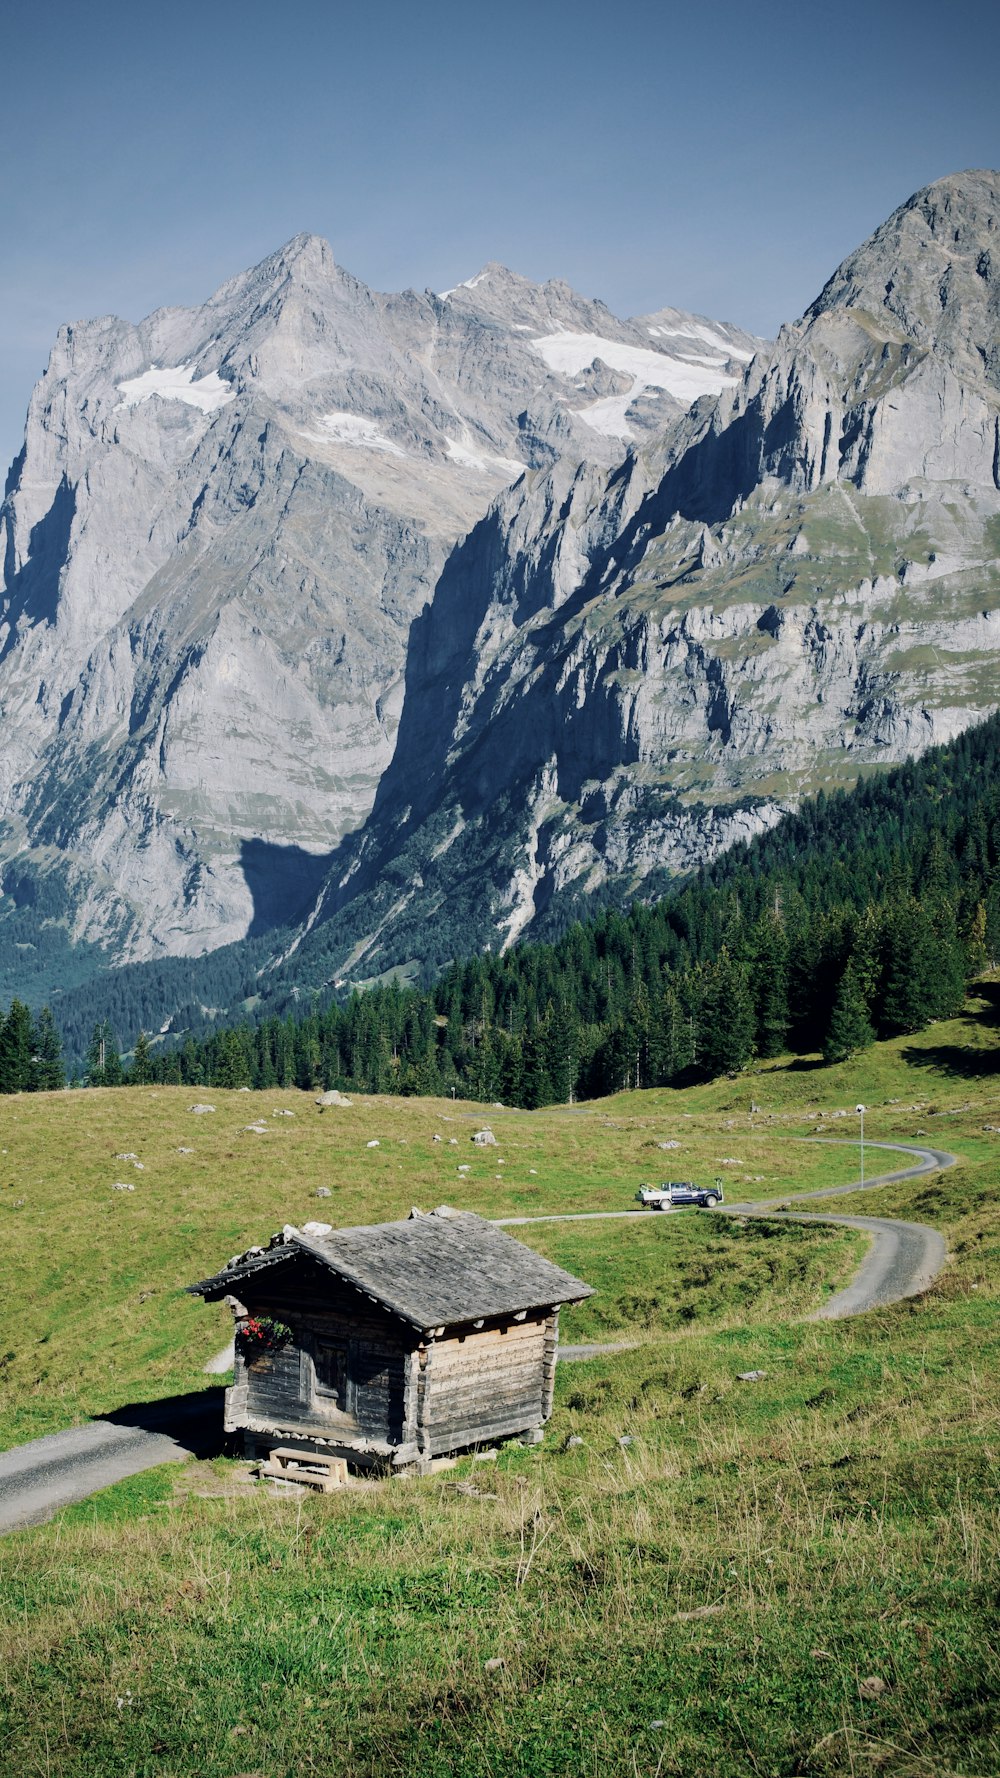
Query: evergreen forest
862	915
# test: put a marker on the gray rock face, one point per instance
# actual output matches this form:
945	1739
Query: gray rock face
622	672
215	539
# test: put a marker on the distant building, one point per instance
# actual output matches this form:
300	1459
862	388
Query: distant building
394	1343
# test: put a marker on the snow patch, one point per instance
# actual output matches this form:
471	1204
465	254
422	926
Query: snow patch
177	384
570	353
353	429
481	461
466	284
694	330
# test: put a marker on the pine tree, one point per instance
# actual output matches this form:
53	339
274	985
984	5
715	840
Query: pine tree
50	1076
729	1020
141	1072
561	1041
17	1071
770	976
849	1030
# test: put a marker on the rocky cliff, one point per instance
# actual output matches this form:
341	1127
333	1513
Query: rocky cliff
623	670
214	542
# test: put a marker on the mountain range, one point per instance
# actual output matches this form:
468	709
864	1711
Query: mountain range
402	626
219	530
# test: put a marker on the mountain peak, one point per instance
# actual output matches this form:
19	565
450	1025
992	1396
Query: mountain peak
930	274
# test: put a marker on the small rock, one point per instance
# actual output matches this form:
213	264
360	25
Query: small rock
533	1170
199	1110
282	1113
658	1722
489	1456
495	1664
452	1141
185	1151
119	1186
668	1145
373	1144
750	1376
316	1230
484	1139
572	1442
626	1440
126	1157
323	1191
435	1138
872	1687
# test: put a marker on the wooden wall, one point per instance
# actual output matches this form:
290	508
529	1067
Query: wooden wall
279	1389
485	1385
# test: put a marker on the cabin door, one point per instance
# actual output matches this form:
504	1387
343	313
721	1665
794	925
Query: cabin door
377	1376
330	1376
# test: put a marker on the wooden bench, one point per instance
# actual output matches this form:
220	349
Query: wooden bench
312	1468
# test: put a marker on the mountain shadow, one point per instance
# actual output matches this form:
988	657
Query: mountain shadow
284	882
33	590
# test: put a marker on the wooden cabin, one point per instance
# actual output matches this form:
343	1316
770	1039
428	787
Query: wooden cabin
394	1344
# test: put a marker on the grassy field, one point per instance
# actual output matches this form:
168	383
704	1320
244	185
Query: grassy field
797	1575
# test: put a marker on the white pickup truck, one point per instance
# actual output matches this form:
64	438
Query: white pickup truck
674	1193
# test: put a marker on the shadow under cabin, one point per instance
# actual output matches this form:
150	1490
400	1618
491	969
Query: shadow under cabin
390	1345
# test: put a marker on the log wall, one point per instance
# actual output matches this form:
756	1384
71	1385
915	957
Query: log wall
484	1385
284	1389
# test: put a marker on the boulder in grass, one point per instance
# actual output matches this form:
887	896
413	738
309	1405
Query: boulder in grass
332	1098
484	1139
199	1110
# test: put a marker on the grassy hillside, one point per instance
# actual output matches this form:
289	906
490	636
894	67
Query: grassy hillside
793	1576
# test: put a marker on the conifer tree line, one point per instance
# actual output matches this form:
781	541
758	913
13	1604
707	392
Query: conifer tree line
30	1051
861	916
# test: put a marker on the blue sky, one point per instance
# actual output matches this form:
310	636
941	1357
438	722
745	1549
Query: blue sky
721	158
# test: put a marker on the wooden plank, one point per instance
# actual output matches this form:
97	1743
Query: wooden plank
549	1358
325	1481
480	1433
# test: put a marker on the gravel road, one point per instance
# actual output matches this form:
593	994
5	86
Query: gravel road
904	1257
37	1479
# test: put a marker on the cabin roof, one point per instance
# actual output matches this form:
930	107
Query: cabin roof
432	1271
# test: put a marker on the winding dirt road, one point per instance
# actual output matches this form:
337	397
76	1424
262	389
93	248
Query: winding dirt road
39	1478
904	1257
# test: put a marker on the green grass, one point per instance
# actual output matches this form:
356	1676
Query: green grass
795	1576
